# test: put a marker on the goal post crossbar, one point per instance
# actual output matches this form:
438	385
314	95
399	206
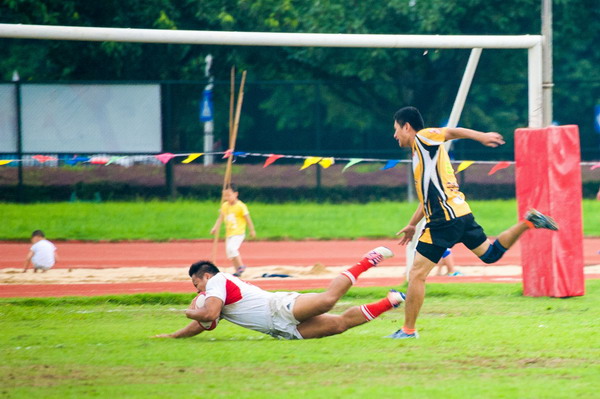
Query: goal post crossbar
533	43
18	31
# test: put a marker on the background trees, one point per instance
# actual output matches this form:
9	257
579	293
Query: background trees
341	100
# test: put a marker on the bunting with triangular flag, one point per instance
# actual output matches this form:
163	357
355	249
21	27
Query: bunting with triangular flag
272	158
464	165
165	157
352	161
390	164
326	162
310	161
192	157
499	166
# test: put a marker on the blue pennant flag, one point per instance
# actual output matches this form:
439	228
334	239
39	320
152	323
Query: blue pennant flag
206	106
597	119
390	164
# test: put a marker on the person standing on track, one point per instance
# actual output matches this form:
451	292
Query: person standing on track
449	218
236	216
283	315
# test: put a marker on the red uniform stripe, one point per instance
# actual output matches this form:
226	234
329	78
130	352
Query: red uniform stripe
233	292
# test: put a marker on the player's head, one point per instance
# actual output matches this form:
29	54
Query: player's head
37	235
407	121
201	267
201	272
409	115
231	193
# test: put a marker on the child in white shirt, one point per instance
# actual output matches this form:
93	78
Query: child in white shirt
42	254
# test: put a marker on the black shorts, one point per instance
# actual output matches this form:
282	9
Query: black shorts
436	239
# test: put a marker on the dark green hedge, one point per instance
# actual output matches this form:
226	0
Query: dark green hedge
128	192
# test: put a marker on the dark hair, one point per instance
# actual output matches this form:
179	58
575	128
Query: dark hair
233	187
38	233
201	267
410	115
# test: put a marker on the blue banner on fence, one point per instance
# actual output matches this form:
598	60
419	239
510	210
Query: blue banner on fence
206	106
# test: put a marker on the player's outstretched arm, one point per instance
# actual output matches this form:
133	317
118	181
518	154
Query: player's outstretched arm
192	329
489	139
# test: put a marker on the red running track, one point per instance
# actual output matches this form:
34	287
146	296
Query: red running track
255	253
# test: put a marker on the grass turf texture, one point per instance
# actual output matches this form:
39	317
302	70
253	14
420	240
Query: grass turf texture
477	340
162	221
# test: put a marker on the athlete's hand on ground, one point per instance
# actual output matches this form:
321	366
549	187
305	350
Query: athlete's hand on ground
492	139
409	233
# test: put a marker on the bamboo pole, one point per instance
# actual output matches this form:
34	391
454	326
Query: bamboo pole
233	128
236	123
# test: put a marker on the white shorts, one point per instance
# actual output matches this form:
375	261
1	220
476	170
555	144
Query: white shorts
233	244
40	267
285	326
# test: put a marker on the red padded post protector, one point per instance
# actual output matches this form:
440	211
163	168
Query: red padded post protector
548	178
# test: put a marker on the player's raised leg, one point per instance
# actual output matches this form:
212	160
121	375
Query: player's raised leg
492	252
328	324
310	305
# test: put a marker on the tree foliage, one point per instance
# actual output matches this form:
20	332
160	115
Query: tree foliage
361	87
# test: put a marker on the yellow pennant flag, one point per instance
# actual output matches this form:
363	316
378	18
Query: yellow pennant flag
310	161
5	162
326	162
191	157
464	165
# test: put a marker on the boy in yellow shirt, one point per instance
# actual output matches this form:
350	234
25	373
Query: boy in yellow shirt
236	216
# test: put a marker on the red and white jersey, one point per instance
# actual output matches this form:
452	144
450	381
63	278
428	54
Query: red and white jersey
244	304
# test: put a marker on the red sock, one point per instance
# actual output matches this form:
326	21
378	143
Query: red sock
372	310
357	270
409	330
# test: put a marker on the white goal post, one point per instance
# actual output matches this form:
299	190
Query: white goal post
533	44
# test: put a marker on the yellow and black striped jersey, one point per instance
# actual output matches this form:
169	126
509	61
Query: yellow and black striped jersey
435	181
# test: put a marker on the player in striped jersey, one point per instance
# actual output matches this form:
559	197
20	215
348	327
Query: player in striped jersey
285	315
449	218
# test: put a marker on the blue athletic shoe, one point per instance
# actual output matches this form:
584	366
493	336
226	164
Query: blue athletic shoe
402	335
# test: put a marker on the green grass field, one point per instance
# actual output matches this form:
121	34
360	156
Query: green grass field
477	341
161	221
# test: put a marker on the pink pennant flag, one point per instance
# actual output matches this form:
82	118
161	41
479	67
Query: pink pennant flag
99	160
227	153
165	157
272	158
43	158
499	166
595	166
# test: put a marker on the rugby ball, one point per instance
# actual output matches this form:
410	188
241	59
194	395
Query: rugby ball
197	303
